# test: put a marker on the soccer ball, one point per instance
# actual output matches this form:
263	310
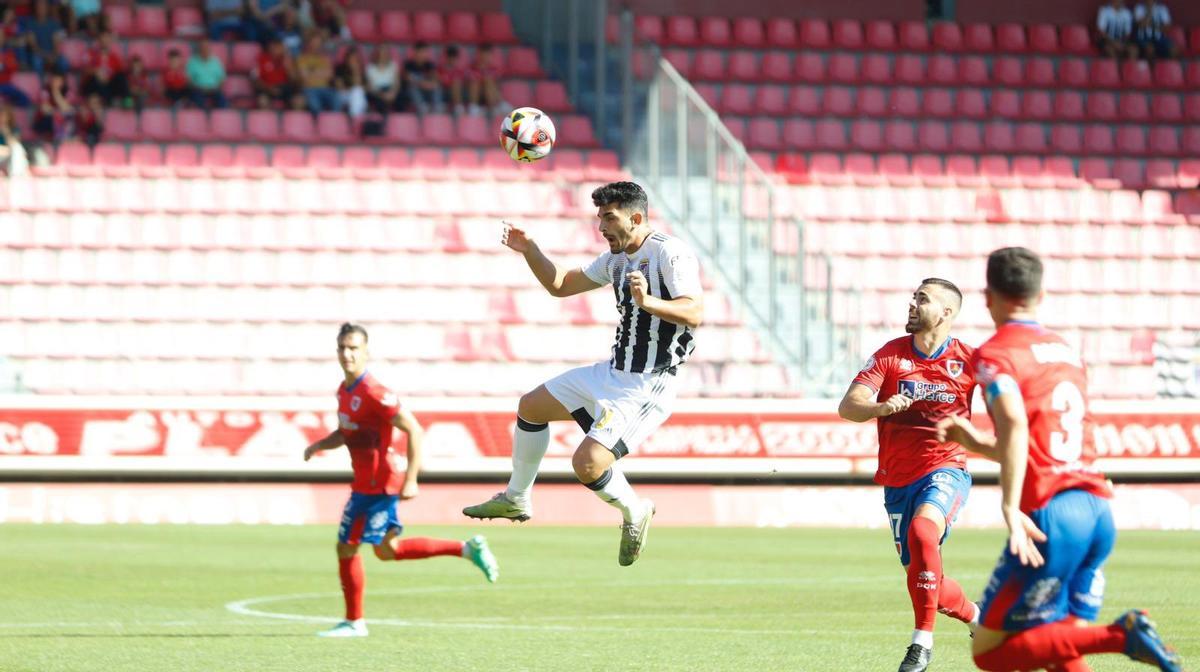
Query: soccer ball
527	134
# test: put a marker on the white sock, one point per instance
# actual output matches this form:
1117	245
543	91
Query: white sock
613	488
530	442
923	637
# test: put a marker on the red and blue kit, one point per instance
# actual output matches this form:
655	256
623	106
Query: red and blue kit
365	412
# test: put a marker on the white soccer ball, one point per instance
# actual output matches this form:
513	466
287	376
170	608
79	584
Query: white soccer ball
527	134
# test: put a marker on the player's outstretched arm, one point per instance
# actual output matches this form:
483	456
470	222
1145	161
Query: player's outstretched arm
334	440
406	422
1012	449
686	311
859	406
960	430
558	282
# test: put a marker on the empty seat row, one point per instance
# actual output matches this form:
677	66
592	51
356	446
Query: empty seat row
967	103
936	69
875	35
768	134
365	25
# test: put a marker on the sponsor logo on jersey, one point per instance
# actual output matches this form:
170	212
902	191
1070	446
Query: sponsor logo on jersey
355	403
906	365
927	580
954	367
919	390
644	267
345	423
870	364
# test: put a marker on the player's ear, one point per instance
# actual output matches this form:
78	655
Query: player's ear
636	219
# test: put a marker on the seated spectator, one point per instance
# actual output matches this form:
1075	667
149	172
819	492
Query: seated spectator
421	80
175	79
484	89
41	29
13	159
1153	19
206	74
330	16
12	31
89	121
54	111
84	16
228	16
452	74
290	31
274	76
314	69
267	16
350	83
105	73
1114	25
8	67
383	80
139	83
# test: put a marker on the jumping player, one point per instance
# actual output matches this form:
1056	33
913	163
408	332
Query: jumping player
1049	583
619	402
910	384
367	412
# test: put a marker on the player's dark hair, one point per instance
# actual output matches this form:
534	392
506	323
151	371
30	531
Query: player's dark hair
348	328
627	195
1014	273
946	285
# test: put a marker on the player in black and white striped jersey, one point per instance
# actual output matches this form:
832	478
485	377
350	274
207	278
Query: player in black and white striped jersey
619	402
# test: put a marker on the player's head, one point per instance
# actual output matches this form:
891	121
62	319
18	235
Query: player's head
935	303
352	349
621	207
1014	283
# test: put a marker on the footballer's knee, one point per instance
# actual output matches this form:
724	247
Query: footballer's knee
537	406
347	550
384	551
986	639
590	461
935	514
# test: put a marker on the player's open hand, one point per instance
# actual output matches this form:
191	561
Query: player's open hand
895	404
638	287
956	429
1023	536
409	491
515	238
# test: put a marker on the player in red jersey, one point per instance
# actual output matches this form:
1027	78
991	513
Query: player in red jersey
367	412
910	384
1049	583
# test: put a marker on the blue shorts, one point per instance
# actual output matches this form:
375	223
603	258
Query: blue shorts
368	518
947	489
1079	536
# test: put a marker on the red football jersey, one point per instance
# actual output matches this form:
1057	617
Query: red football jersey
1052	381
941	385
365	412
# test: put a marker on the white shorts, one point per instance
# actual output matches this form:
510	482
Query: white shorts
618	409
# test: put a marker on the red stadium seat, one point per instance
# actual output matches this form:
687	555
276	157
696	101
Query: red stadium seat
743	67
776	67
970	103
298	126
877	69
942	70
735	99
995	171
781	33
438	129
894	169
1191	107
120	19
880	35
770	100
226	125
680	59
1134	107
1073	72
866	135
1043	38
1098	139
1039	72
709	93
551	96
831	135
904	102
244	57
963	170
843	68
966	137
250	156
1006	103
192	125
1163	140
150	21
1010	37
948	37
814	34
1037	105
1189	144
1095	170
516	90
362	25
1166	107
323	158
262	125
462	27
838	101
287	156
914	36
1029	171
333	127
576	130
799	134
1076	39
804	101
978	37
157	125
709	64
148	51
938	103
1066	139
928	169
523	62
810	68
827	169
714	31
764	134
121	125
496	28
649	28
237	88
1061	171
861	169
216	156
1102	106
1169	75
110	154
973	71
1137	74
1189	173
900	136
1008	71
395	26
871	102
932	136
187	21
1104	74
1031	138
748	33
680	31
428	26
910	69
1068	106
1129	172
998	136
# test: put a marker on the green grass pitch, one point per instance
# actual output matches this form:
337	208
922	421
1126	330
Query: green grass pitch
116	598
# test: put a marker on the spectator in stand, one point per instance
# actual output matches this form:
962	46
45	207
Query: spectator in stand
421	80
1114	25
228	16
8	67
1153	19
453	72
274	76
330	16
484	88
175	79
13	159
290	32
89	121
105	74
314	68
41	29
54	112
351	85
85	16
267	16
206	74
10	27
383	80
139	83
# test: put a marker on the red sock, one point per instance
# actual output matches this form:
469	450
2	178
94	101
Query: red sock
416	548
924	571
353	582
1076	665
1051	644
953	602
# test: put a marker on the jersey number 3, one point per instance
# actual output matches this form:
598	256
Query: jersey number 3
1067	445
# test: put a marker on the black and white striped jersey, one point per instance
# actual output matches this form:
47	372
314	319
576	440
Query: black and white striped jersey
644	342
